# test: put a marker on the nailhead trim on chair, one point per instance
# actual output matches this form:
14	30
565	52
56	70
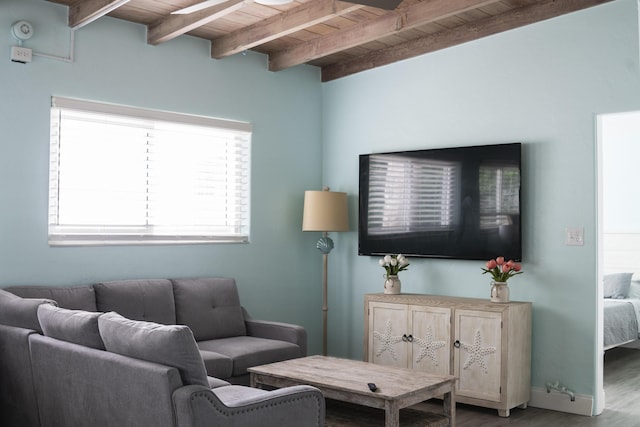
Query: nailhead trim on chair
234	411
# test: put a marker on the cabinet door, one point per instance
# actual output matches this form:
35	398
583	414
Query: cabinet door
387	326
477	359
430	329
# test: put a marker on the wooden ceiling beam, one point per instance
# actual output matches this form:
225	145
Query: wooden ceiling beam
299	18
83	12
543	10
173	26
402	19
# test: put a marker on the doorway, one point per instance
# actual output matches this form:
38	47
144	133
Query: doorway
618	204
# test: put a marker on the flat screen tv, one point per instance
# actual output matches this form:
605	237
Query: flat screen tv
459	203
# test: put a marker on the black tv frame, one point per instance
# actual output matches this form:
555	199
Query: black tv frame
453	244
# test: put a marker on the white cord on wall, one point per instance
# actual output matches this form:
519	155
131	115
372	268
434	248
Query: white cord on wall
70	58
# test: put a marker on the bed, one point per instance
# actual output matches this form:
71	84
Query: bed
621	310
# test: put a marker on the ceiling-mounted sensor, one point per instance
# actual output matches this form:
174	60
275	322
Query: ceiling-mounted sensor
22	30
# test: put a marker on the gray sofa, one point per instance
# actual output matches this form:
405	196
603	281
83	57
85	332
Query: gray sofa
114	371
229	340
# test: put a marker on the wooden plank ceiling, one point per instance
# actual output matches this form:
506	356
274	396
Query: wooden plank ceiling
342	38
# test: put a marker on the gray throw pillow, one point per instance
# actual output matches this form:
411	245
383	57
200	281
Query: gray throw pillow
617	285
171	345
75	326
20	312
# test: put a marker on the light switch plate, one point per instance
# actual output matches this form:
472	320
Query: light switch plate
574	236
21	54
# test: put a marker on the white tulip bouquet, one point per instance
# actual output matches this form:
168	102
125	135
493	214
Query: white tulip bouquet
394	264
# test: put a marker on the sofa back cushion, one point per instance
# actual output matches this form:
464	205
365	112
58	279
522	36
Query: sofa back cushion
171	345
210	307
76	326
73	297
20	312
148	300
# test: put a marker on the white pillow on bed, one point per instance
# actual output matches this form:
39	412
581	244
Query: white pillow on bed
617	285
634	290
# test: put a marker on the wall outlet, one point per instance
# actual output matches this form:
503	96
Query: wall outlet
21	54
574	236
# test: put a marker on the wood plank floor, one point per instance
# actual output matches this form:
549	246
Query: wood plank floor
622	390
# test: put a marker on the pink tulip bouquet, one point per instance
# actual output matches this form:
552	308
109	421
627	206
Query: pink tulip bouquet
500	270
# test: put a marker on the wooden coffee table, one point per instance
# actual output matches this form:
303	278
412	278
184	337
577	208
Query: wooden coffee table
346	380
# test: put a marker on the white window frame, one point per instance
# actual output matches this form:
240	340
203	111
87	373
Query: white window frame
218	213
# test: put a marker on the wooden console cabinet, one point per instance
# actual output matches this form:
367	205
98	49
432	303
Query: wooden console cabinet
487	346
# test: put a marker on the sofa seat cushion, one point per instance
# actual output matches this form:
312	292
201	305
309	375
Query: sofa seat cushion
76	326
71	297
217	365
251	351
148	300
20	312
210	307
171	345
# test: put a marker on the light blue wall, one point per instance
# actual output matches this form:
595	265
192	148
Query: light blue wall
114	64
542	85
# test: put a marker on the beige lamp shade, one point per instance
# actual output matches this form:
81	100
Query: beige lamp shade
325	211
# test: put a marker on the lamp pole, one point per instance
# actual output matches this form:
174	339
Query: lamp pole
325	244
325	307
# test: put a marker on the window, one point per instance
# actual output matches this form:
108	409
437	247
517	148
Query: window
122	175
408	195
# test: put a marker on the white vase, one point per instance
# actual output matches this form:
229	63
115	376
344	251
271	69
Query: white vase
392	285
499	292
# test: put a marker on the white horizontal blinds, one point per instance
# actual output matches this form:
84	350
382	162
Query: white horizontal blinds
499	194
138	179
409	195
199	183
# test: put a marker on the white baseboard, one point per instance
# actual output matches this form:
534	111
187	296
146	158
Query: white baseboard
556	401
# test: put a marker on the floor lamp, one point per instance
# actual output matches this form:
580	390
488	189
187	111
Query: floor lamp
325	211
